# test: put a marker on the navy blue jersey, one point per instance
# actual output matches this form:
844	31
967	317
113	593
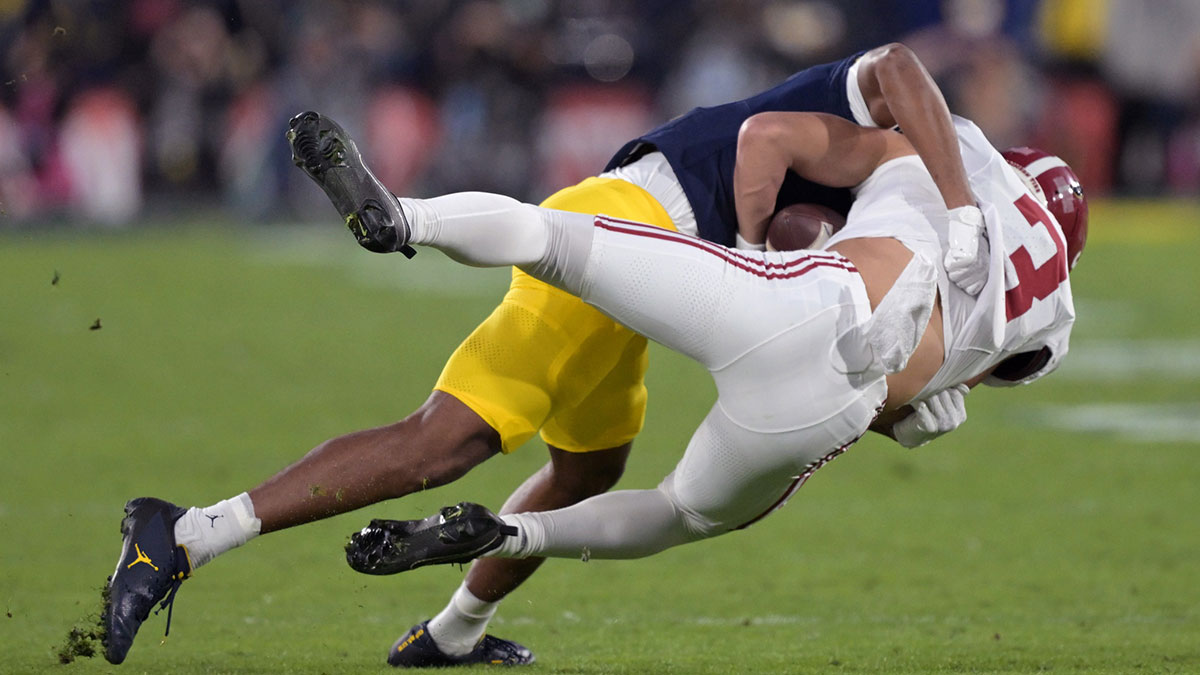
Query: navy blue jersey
701	147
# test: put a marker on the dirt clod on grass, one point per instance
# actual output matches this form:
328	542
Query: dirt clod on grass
81	642
86	639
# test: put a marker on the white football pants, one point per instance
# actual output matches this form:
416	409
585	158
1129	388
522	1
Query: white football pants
777	330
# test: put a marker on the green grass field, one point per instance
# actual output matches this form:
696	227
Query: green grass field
1058	530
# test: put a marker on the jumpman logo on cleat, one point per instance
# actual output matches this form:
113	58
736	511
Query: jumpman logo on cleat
141	557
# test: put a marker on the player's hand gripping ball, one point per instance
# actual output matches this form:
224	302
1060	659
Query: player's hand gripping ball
802	226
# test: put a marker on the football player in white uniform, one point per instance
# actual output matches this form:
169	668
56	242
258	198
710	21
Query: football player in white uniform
965	264
807	348
575	377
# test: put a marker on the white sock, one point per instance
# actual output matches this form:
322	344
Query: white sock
615	525
211	531
462	623
478	228
488	230
530	537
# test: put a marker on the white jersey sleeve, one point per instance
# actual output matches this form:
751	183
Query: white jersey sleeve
1026	304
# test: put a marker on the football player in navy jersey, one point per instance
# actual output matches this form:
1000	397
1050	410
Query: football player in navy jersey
580	387
806	348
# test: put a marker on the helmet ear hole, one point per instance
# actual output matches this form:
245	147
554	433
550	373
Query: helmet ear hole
1058	188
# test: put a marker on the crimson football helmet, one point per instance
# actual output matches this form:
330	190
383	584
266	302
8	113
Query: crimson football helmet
1052	181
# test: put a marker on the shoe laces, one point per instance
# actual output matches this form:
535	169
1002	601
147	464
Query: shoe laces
168	602
183	570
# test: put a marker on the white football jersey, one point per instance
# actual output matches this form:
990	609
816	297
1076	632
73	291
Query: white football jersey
1026	303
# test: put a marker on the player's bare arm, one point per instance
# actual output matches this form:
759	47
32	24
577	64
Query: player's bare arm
899	91
832	151
823	148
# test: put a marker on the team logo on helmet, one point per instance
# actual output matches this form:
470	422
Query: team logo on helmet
1057	186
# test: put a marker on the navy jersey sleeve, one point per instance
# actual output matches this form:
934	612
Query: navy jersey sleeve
701	147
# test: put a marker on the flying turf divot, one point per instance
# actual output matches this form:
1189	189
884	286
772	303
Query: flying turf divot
84	640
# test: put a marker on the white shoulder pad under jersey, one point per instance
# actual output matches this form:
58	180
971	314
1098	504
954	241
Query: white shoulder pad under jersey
1026	304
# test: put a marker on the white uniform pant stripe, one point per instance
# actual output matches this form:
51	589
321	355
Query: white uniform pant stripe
765	324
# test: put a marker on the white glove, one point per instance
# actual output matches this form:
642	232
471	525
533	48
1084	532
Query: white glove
969	253
931	418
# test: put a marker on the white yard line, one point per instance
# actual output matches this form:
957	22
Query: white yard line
1135	422
1112	360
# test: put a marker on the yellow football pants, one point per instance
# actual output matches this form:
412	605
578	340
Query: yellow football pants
544	360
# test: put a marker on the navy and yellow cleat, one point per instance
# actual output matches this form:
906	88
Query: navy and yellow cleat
456	534
150	570
324	151
418	650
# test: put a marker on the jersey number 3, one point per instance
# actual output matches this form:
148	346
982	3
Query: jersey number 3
1040	260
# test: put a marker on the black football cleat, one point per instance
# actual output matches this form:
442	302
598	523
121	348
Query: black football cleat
418	650
150	570
456	534
324	151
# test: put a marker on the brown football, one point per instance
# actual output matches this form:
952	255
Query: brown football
802	226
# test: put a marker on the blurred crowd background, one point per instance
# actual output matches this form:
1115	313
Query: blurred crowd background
115	111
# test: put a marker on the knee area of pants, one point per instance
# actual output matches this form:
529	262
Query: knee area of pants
695	525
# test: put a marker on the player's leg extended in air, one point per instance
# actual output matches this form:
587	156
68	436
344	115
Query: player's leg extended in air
773	449
588	421
566	249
